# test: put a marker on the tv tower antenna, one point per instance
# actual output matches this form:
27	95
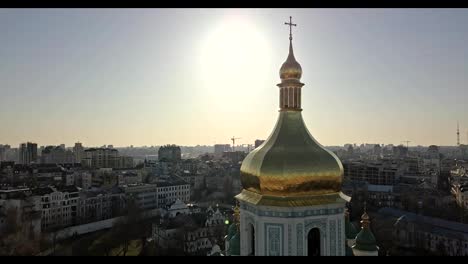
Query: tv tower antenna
458	134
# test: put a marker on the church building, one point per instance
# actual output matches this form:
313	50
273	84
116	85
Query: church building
291	203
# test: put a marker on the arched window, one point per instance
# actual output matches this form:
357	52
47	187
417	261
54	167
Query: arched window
251	240
313	242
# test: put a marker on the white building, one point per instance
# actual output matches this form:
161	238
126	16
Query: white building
169	191
69	179
195	179
99	205
178	207
129	176
78	152
101	158
83	179
58	207
145	195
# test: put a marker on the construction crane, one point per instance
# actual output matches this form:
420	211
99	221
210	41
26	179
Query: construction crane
248	147
407	141
234	142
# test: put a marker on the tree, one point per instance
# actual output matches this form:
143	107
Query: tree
128	227
105	244
227	188
16	238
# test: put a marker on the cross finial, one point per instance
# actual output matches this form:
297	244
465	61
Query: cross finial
290	24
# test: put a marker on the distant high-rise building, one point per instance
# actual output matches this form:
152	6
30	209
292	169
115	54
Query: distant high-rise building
56	154
2	153
10	154
433	151
169	153
258	142
125	162
62	146
400	151
219	149
27	153
377	150
234	156
78	152
101	158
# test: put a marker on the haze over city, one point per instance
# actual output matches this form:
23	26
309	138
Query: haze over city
200	76
233	132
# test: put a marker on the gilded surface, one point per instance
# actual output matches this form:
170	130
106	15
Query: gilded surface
290	69
291	162
286	201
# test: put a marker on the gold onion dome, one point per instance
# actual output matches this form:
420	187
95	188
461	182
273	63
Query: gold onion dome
290	167
290	69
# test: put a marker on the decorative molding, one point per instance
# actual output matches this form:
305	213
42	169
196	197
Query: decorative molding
297	214
300	240
321	224
340	241
289	240
332	237
274	234
274	239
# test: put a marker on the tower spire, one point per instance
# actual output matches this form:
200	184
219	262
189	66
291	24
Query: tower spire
290	24
458	134
365	217
290	75
291	52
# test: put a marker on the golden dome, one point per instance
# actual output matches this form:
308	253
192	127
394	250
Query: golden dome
291	168
290	69
291	163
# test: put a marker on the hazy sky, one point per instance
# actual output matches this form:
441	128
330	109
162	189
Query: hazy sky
189	76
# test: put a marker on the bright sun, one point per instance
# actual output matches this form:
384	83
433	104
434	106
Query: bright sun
235	55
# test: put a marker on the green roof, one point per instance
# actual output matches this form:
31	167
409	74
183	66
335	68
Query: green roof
234	245
350	229
231	231
365	241
349	251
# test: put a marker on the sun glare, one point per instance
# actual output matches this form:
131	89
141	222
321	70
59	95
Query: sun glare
235	55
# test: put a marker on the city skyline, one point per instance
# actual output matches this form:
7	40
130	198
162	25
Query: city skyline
198	77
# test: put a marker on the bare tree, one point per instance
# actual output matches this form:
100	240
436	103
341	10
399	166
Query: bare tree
16	239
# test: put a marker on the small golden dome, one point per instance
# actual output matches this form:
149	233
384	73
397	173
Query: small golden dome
365	216
291	69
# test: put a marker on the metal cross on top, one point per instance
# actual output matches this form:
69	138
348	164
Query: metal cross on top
290	24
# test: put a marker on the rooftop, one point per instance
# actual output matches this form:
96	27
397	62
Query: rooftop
97	149
435	225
